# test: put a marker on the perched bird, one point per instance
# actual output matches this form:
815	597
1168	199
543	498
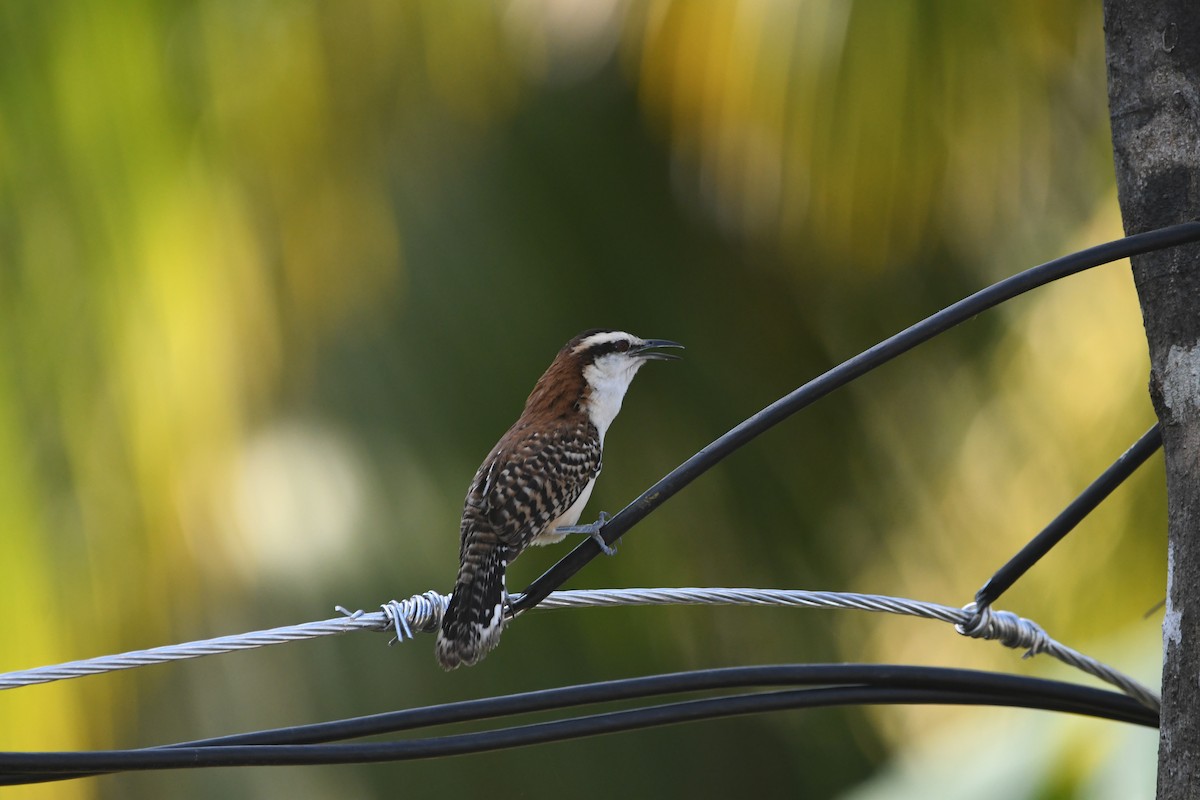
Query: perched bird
533	485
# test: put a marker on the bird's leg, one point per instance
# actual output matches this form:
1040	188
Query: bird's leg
592	530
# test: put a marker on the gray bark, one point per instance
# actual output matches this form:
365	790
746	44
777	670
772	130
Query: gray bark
1153	49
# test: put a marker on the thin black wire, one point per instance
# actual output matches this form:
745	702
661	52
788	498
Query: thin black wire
871	684
1070	516
839	376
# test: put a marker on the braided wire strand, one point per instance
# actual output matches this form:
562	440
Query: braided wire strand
422	613
1004	627
401	616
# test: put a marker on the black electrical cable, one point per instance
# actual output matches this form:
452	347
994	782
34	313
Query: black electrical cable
840	375
67	765
1070	516
909	685
642	687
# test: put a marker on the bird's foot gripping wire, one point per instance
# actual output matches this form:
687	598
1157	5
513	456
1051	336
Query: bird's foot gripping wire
592	530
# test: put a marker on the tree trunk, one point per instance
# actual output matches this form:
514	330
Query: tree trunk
1153	59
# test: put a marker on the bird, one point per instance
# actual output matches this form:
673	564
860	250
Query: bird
534	484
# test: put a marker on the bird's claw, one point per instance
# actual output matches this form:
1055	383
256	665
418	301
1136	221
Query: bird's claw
592	530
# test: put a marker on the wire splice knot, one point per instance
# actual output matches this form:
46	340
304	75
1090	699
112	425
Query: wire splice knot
422	612
1005	627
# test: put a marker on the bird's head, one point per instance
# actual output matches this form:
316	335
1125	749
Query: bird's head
610	359
591	373
607	360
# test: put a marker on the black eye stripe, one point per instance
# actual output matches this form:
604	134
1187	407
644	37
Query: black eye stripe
619	346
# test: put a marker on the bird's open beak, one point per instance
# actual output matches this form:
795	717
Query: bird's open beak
647	350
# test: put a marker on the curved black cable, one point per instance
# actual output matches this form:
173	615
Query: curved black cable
870	683
1070	516
840	375
642	687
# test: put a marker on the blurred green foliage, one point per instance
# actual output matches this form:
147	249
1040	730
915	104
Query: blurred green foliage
274	277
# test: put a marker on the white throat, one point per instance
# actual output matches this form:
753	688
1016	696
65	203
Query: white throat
609	377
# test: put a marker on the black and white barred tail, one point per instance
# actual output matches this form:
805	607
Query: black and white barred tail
474	619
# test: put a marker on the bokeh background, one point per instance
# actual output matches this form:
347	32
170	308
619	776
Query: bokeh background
274	276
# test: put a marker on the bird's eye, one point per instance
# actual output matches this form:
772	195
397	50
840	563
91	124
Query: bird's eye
622	346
